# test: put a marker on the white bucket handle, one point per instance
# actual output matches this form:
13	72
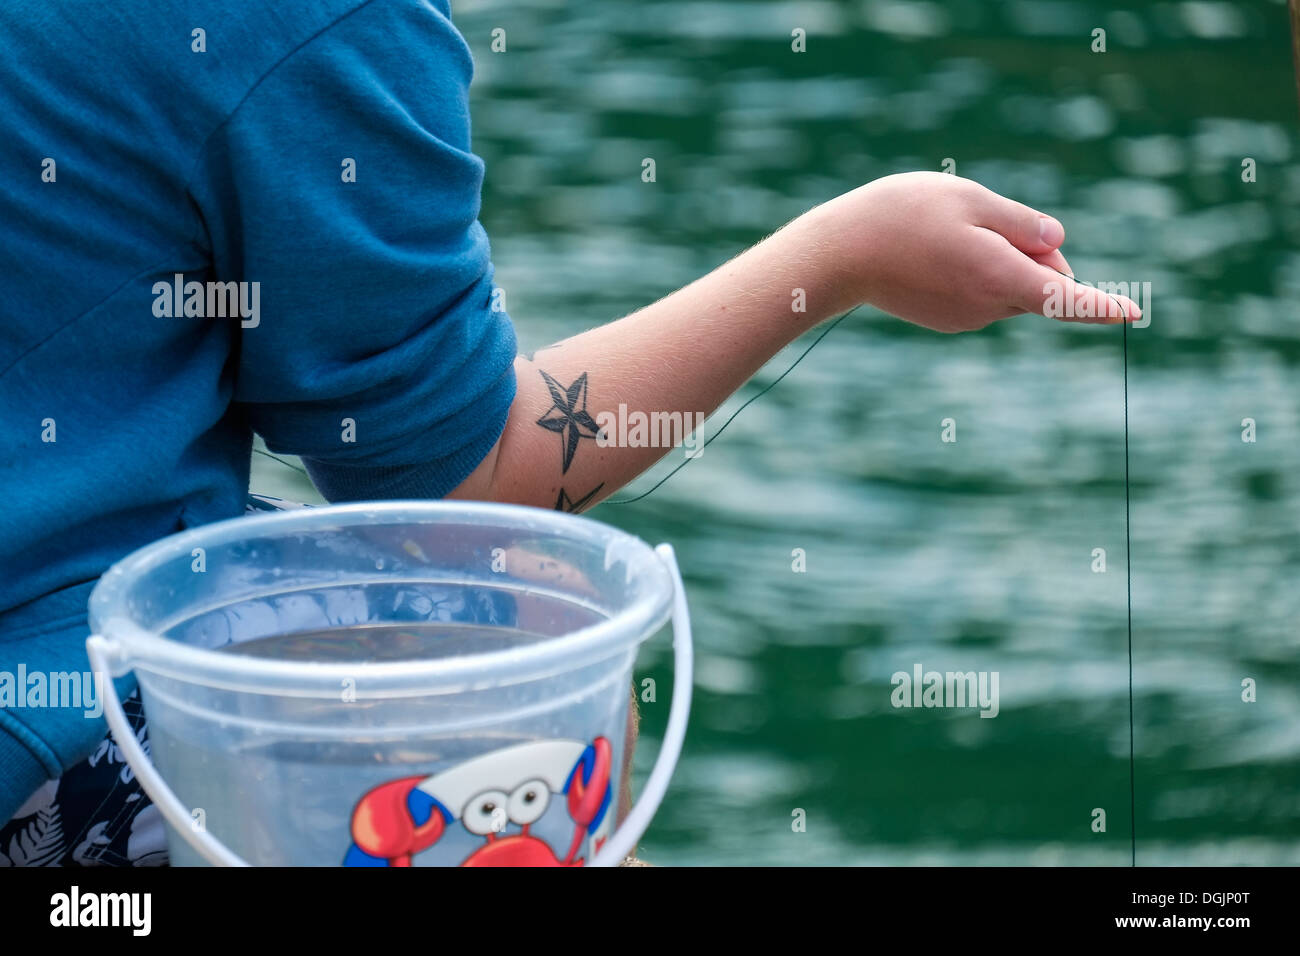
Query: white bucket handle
103	652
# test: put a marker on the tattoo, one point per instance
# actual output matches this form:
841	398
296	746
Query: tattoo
565	503
568	416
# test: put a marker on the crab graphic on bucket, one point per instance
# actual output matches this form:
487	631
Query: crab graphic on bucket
513	786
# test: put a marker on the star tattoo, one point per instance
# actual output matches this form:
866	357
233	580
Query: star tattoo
568	416
565	503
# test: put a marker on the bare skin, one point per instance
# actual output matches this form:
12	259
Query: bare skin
933	249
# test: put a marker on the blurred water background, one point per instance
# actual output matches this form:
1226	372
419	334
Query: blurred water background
973	555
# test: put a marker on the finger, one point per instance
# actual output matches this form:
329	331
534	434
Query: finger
1054	260
1039	289
1027	229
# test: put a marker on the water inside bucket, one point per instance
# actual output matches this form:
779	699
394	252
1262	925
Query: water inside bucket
380	621
289	800
288	773
384	642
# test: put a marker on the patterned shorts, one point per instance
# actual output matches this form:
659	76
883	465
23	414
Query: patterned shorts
96	814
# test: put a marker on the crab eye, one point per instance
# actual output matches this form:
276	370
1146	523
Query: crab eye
486	813
528	802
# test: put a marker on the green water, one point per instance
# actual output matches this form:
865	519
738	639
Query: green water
968	556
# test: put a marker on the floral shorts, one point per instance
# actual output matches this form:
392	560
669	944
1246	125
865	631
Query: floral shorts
94	815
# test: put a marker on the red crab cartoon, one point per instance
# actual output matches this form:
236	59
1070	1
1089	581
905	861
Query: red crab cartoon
398	819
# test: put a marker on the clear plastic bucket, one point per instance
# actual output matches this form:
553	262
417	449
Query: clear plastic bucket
391	684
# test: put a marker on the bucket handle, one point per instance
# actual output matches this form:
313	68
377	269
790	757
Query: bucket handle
101	651
638	819
104	655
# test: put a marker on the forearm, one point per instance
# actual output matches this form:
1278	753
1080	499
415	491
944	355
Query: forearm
933	249
679	358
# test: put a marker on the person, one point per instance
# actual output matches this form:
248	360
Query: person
225	219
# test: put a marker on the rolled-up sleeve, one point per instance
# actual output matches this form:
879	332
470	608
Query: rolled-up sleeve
344	186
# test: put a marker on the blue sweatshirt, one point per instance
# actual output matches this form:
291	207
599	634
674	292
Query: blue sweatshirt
221	217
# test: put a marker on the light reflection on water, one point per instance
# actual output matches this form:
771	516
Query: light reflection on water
975	555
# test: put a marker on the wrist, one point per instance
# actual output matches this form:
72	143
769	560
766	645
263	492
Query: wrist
807	267
844	235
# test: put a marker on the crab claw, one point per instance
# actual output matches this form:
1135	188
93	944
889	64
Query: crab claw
588	787
384	824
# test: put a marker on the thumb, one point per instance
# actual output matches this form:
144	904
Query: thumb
1027	229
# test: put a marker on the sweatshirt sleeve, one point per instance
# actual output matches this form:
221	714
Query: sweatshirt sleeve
345	188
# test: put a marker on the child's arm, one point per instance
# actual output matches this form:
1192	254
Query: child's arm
931	248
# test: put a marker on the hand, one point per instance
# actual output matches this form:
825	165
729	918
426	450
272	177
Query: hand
951	255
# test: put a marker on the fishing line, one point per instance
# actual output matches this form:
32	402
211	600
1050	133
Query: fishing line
287	464
1128	574
1128	583
1128	540
771	385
